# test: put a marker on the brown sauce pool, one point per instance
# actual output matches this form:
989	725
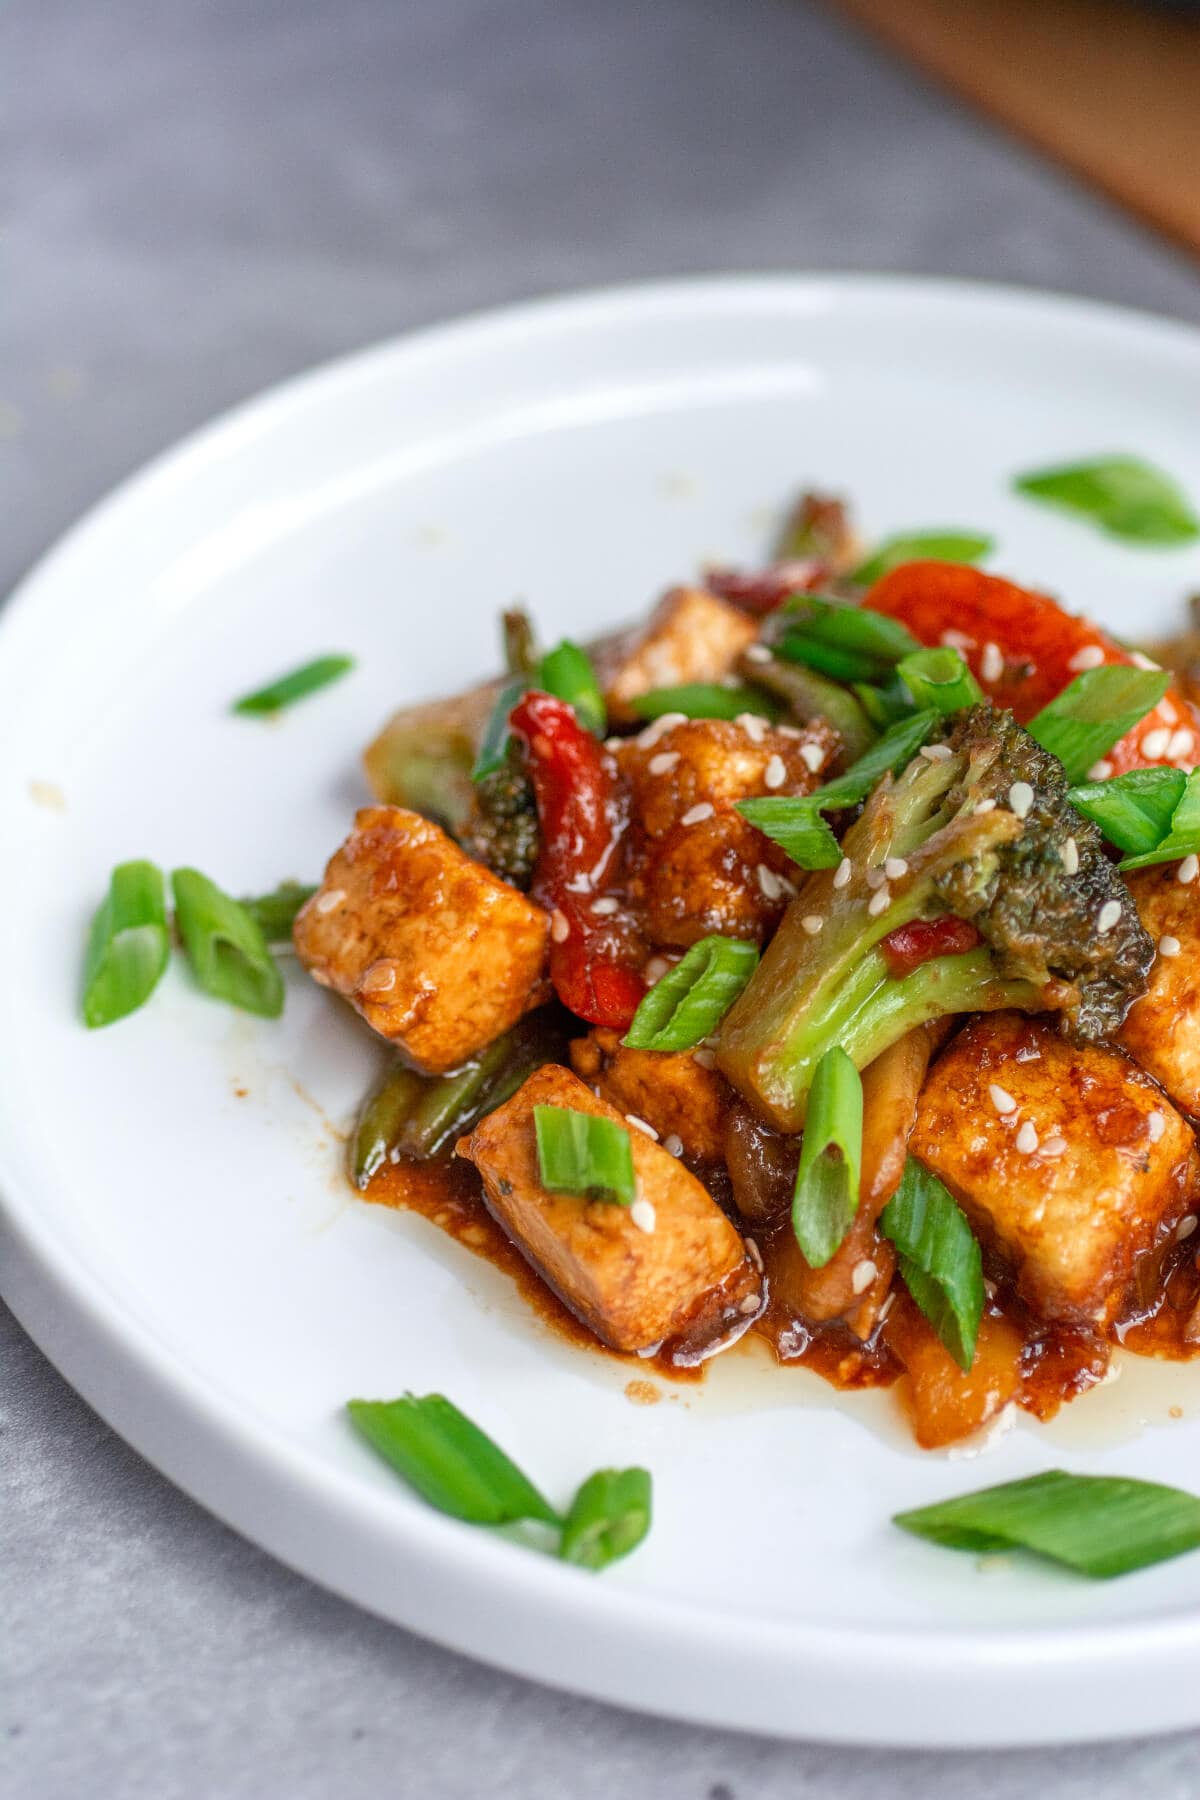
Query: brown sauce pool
1038	1366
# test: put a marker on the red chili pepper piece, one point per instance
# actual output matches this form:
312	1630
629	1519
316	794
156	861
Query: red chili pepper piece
595	965
909	946
1023	649
765	589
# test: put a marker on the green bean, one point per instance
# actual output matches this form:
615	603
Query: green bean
813	696
384	1111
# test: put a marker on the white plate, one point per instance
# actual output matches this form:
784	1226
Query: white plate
191	1258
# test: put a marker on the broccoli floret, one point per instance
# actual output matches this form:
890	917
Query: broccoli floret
980	829
502	830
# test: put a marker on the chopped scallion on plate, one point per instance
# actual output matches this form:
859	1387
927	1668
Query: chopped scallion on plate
296	685
1094	712
939	1259
225	946
128	944
584	1153
691	999
1122	495
827	1181
920	546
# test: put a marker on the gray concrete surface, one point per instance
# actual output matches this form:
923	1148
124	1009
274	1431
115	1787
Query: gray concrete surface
198	197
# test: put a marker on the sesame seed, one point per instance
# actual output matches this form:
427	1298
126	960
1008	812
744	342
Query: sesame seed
789	731
885	1309
754	1253
1110	912
957	640
331	898
696	815
1140	660
605	906
658	728
1027	1138
1169	946
1100	771
673	1144
705	1058
754	727
769	882
643	1215
641	1125
879	902
863	1275
1090	657
986	806
663	763
378	979
991	663
1155	742
812	756
758	653
895	867
1070	856
750	1304
936	752
1156	1124
1188	869
775	773
613	744
1182	743
560	931
843	872
1020	798
1001	1099
812	923
1185	1228
655	969
1053	1146
875	878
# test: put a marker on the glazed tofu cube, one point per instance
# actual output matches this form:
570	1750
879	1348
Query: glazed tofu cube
696	865
1162	1031
674	1093
1067	1160
437	954
685	1277
692	636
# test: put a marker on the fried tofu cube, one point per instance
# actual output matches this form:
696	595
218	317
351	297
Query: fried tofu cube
685	1277
437	954
1162	1031
1067	1160
696	866
671	1091
691	636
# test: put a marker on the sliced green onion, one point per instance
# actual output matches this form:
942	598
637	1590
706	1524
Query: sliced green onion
1123	495
810	696
451	1463
225	946
1097	709
1098	1525
939	679
584	1153
567	672
690	1001
826	1196
1134	810
704	700
520	643
884	702
939	1259
493	747
830	659
849	627
917	546
609	1517
795	823
275	913
128	944
1183	837
295	686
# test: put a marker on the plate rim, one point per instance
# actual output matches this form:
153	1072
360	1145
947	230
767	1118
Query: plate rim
63	1304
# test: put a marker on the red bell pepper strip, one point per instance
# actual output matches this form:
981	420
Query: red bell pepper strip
765	589
1023	649
594	959
909	946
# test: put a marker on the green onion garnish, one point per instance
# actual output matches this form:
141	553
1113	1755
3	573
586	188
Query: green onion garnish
692	998
1134	811
275	913
826	1196
567	672
939	546
493	746
1098	1525
296	686
884	702
843	640
609	1517
128	944
1097	709
939	1259
1182	838
939	679
225	946
583	1153
704	700
795	823
451	1463
829	659
1123	495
